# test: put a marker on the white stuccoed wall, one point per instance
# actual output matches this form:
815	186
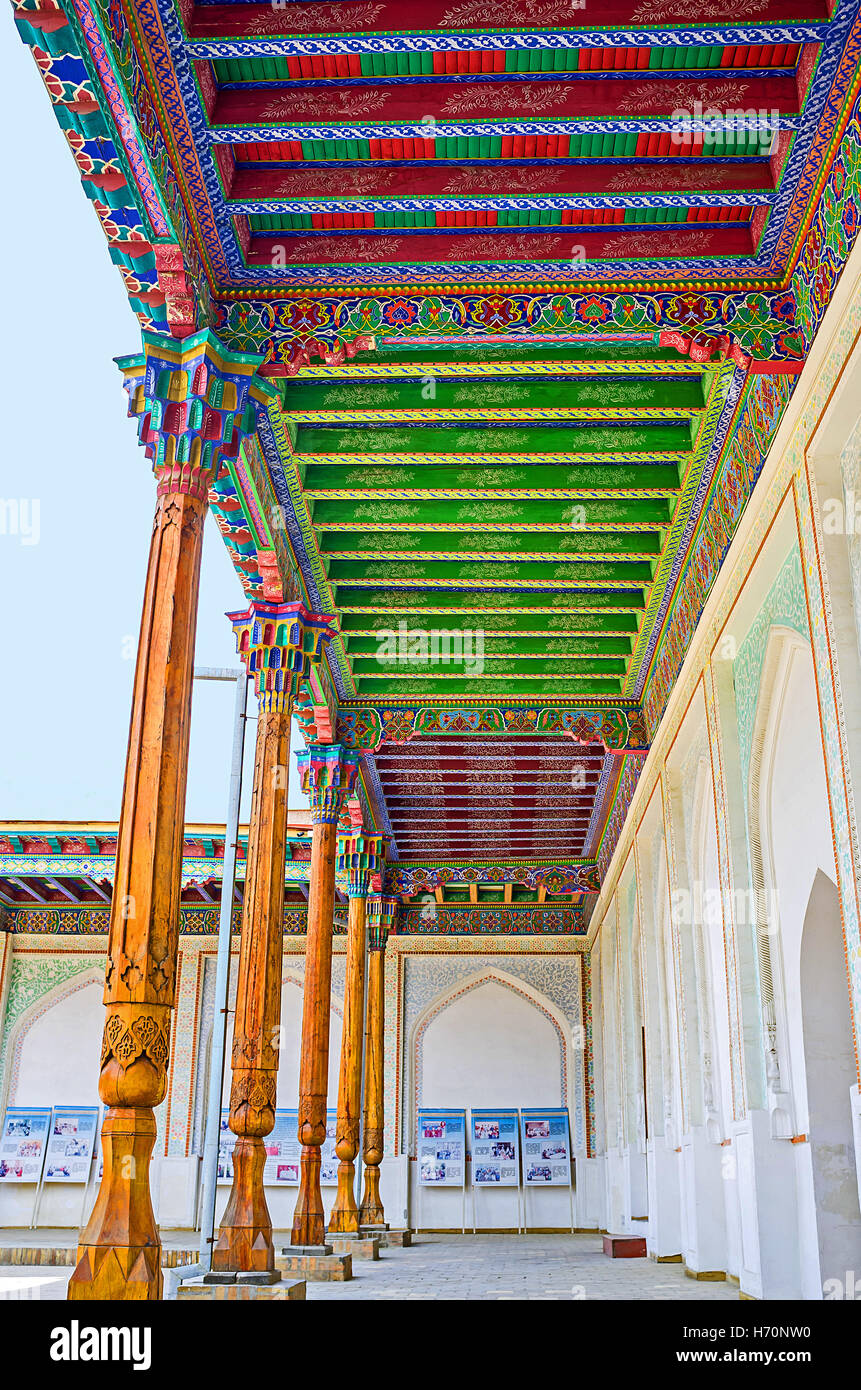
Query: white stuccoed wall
57	1064
489	1047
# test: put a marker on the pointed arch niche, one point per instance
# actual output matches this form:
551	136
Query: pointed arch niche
490	1039
43	1068
53	1056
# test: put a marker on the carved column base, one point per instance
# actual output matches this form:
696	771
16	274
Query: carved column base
309	1225
245	1235
371	1211
119	1253
345	1214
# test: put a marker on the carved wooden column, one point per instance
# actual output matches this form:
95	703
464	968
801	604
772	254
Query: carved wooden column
328	774
278	642
382	913
170	388
358	859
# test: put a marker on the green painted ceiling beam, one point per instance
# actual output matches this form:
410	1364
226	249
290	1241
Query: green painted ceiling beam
506	687
478	600
627	573
438	515
357	626
395	357
497	665
397	483
573	544
496	438
539	392
553	645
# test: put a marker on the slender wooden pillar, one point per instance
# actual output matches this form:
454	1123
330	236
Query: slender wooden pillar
328	774
119	1250
358	858
381	918
277	641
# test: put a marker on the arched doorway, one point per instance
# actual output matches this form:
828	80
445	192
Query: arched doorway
829	1058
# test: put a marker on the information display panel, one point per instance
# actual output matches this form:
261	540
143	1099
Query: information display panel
283	1151
23	1143
226	1141
546	1142
495	1148
71	1141
328	1157
441	1148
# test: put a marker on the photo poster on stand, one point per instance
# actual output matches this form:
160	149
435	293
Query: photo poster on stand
442	1148
71	1141
546	1148
441	1154
495	1154
328	1157
495	1148
283	1151
226	1141
23	1142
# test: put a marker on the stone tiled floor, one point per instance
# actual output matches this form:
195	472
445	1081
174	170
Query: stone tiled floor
491	1267
550	1267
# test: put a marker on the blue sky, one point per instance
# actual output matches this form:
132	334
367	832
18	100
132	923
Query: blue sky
71	599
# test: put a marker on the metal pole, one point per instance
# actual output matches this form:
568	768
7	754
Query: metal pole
222	970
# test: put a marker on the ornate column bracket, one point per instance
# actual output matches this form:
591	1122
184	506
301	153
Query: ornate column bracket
328	774
382	919
193	407
278	642
359	859
191	398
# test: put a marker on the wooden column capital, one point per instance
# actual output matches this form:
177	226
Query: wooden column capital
192	400
328	772
278	643
382	919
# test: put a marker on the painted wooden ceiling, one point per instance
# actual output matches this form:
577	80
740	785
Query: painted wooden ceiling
505	527
568	243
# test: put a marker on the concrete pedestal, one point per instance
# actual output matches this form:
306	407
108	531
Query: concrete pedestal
244	1277
360	1246
315	1262
283	1289
386	1237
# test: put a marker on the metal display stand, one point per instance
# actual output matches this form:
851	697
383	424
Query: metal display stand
424	1118
489	1117
23	1111
550	1116
56	1113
